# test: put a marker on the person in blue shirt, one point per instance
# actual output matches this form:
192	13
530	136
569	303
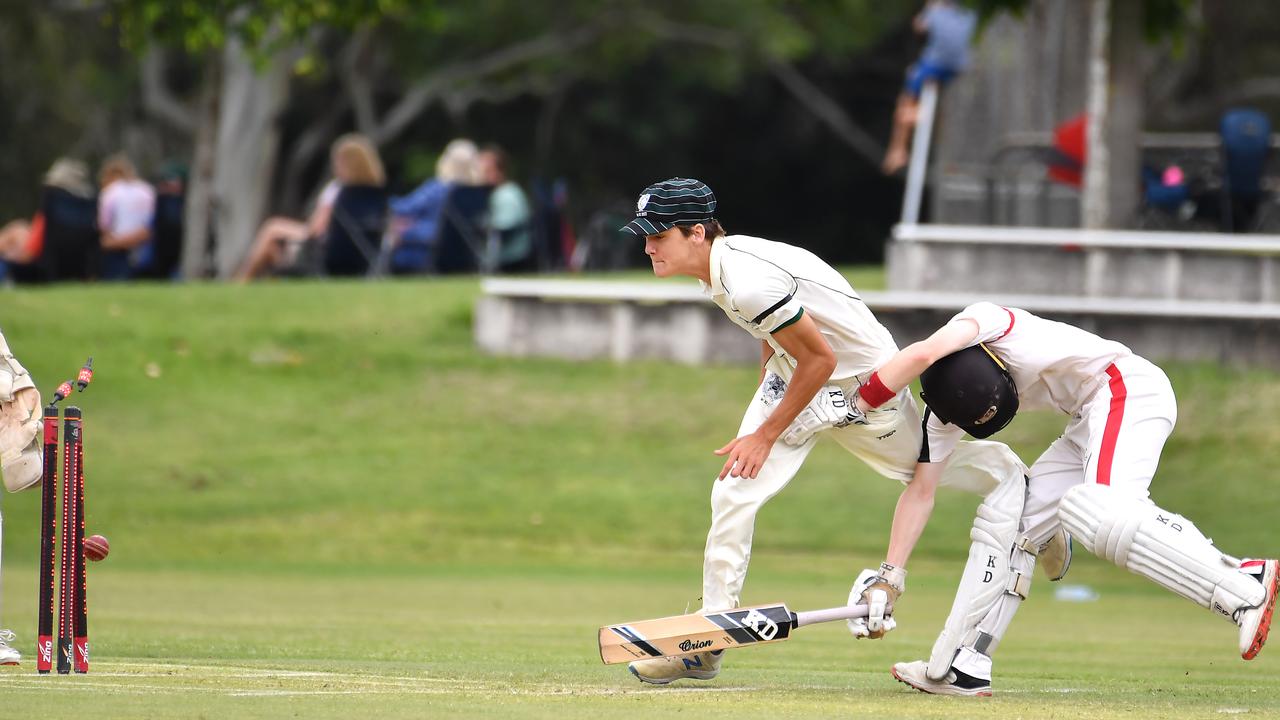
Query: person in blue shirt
949	29
415	218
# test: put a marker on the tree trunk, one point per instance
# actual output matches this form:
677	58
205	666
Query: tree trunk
1095	210
1124	135
252	98
1113	173
197	211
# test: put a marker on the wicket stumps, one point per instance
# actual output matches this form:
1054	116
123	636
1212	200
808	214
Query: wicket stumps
69	596
48	542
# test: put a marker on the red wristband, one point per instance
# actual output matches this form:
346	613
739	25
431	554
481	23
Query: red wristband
875	392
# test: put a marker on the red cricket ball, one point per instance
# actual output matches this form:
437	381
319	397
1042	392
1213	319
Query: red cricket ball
96	548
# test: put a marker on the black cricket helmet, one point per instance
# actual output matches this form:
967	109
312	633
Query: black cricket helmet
971	389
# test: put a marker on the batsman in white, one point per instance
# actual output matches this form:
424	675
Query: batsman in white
1093	481
20	457
819	345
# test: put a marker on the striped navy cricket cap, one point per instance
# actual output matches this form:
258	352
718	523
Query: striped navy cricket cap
678	201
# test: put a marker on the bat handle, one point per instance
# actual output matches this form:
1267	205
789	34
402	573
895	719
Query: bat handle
848	612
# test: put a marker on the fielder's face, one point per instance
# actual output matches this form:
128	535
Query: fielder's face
672	252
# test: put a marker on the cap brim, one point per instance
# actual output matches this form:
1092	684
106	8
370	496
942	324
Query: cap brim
643	227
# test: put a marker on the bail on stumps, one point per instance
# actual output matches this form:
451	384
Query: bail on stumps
83	378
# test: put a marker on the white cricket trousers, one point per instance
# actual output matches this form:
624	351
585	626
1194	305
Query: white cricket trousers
890	445
1115	439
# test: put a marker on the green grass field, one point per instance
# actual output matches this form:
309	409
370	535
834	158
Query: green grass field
323	502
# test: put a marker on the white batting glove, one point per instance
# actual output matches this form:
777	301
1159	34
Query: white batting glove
829	408
879	590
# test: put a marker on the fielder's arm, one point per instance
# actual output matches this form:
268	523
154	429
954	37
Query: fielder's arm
815	361
766	352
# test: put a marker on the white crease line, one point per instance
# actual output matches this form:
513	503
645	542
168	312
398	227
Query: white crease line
251	672
284	693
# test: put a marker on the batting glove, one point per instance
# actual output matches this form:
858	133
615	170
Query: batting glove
829	408
878	590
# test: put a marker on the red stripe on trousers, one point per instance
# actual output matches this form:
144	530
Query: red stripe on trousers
1114	417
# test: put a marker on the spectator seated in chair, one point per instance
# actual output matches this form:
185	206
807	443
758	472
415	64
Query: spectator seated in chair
126	209
281	241
509	222
61	240
359	221
1246	145
162	256
416	218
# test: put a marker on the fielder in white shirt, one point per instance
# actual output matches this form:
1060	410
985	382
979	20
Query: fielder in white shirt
1093	481
819	345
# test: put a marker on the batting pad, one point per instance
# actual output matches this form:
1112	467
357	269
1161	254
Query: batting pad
1161	546
989	576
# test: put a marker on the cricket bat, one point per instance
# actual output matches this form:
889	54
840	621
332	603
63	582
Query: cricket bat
681	634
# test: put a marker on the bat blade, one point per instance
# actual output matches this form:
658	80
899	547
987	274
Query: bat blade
682	634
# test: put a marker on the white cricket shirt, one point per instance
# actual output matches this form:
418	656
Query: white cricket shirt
764	286
1055	366
126	206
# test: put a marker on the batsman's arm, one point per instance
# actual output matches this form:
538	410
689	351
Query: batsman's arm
915	505
914	359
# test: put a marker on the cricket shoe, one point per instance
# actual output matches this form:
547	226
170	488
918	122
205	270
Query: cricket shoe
8	656
660	671
1255	622
956	683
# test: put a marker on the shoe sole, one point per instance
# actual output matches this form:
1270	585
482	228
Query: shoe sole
894	671
1264	626
647	681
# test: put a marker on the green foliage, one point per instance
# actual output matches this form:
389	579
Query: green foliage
52	90
1161	18
199	25
458	29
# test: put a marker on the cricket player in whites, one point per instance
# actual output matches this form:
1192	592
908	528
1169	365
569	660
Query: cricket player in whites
819	345
21	461
1093	481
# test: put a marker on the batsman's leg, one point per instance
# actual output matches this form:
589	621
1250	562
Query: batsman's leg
1167	549
997	576
1113	517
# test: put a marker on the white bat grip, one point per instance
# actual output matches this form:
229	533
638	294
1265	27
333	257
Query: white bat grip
848	612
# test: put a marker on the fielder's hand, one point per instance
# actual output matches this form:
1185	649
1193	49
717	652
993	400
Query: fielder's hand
746	455
879	590
829	408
